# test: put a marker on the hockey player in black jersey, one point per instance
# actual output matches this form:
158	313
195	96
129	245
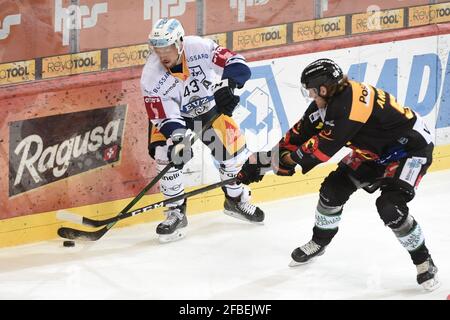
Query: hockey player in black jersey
391	150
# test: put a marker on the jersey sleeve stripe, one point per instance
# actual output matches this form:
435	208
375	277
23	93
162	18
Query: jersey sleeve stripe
320	155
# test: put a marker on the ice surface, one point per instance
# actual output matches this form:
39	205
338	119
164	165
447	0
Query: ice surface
224	258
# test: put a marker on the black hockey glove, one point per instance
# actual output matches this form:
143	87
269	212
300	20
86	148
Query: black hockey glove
153	145
226	101
180	151
279	166
254	168
152	148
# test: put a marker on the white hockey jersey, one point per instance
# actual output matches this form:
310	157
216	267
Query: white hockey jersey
169	98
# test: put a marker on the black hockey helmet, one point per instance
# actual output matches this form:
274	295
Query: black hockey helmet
321	72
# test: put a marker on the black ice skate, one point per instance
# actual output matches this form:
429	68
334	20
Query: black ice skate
426	275
305	253
173	228
241	208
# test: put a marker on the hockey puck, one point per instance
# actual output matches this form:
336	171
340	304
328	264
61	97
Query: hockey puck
69	243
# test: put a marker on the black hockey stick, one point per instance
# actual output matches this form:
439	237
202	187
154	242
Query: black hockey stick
73	234
68	216
70	233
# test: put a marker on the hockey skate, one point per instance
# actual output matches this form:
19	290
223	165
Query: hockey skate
173	228
426	275
305	253
241	208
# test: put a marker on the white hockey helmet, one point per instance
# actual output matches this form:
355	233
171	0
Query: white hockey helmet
166	32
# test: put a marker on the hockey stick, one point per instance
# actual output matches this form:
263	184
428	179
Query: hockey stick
68	216
72	234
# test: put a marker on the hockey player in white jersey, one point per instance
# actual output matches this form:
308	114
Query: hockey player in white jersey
187	80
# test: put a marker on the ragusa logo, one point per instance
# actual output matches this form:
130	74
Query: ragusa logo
76	18
48	149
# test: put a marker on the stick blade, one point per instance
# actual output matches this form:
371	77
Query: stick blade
74	234
66	215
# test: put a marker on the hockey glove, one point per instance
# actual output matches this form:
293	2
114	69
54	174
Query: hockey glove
152	148
180	151
254	168
226	101
279	166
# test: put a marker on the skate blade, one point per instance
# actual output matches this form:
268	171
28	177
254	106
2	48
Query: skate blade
177	235
431	285
294	263
238	216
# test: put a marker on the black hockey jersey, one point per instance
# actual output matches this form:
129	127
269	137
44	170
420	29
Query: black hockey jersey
362	117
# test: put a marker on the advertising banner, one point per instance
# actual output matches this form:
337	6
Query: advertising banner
259	38
318	29
71	64
16	72
48	149
73	147
377	21
127	56
423	15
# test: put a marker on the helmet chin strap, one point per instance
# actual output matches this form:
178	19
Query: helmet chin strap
180	46
180	49
179	59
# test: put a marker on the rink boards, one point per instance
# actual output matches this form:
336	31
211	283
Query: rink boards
42	170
